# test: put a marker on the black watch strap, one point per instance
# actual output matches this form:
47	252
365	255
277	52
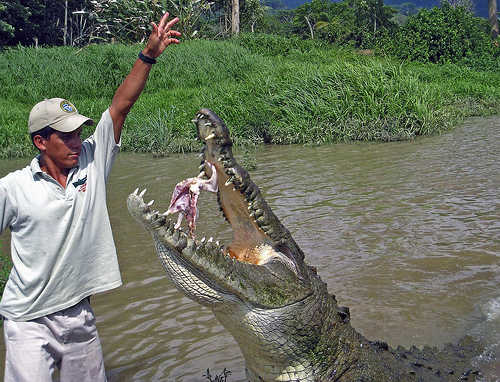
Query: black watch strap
146	59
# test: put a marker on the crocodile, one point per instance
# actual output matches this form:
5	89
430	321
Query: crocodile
259	287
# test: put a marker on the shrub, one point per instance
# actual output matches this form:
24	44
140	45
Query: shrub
443	35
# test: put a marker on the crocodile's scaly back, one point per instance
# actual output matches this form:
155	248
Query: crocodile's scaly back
287	325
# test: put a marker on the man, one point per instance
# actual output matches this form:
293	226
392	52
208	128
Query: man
62	246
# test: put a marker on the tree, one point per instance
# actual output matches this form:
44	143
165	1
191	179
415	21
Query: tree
309	14
493	17
15	24
372	16
468	4
341	26
6	29
235	17
253	12
38	21
358	22
191	13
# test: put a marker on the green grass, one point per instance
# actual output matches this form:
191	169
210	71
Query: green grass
267	89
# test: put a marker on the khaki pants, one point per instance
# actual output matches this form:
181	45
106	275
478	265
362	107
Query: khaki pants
67	340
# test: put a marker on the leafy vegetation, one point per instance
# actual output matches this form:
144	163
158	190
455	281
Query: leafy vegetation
267	88
222	377
444	35
360	23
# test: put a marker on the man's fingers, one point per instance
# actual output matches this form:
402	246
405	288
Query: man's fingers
173	33
155	27
163	20
172	22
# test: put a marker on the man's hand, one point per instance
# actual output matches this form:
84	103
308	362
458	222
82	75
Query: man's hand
161	37
130	89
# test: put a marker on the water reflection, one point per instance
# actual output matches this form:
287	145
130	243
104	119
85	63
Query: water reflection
405	234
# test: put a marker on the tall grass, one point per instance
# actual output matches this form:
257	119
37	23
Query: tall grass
267	89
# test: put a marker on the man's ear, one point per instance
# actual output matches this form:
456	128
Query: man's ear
39	142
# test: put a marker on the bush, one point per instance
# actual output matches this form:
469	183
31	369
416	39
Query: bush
442	36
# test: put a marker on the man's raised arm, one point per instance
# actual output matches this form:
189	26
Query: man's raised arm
130	89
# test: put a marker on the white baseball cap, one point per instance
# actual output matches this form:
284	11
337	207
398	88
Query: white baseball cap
57	113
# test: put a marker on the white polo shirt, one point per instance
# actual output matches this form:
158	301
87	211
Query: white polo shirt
62	246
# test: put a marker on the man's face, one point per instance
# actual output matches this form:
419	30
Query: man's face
64	148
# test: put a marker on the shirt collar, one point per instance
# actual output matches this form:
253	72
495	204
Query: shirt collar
35	168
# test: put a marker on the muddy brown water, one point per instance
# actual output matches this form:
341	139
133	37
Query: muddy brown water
405	234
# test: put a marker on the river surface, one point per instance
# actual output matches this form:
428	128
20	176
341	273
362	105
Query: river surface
405	234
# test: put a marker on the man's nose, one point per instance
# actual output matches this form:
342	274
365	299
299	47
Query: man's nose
75	143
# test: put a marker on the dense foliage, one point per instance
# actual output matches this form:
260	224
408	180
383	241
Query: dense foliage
415	33
351	22
443	35
29	22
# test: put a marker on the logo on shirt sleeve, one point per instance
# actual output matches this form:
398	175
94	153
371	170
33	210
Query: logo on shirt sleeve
81	184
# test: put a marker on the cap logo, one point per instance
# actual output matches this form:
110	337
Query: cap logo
67	107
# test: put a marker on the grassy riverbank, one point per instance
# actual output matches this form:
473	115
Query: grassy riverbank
267	89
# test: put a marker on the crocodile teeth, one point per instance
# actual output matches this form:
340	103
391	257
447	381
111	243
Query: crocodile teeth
211	136
228	182
142	193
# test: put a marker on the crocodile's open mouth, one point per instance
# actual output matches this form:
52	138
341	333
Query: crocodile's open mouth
250	243
258	235
259	238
